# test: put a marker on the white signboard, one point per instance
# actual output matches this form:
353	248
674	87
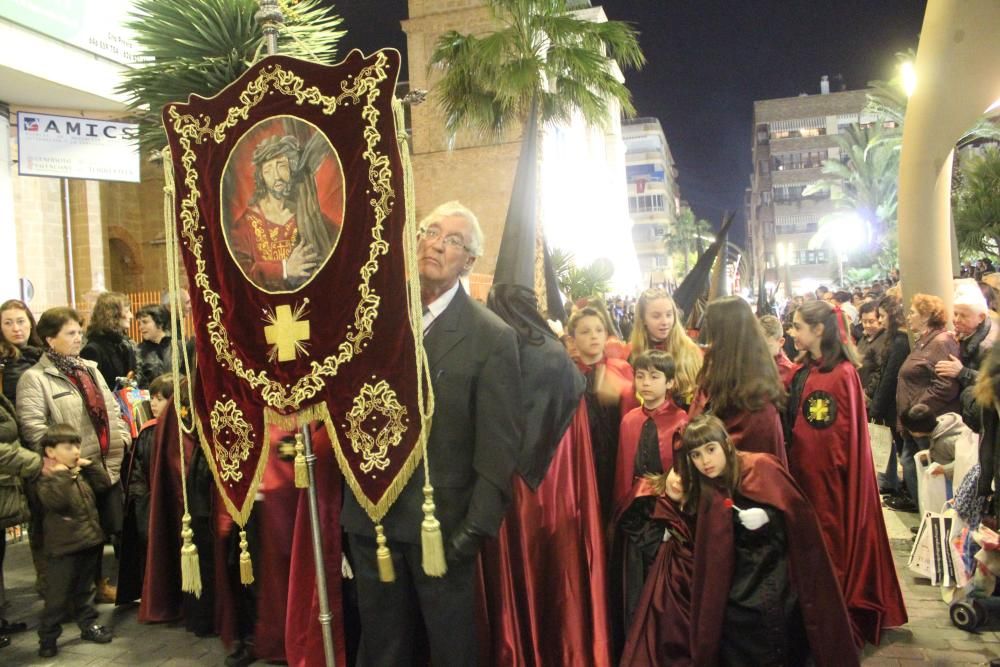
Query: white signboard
71	147
96	26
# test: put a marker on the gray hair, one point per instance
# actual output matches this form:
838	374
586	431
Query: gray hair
457	209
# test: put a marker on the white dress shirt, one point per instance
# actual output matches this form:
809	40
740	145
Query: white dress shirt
434	309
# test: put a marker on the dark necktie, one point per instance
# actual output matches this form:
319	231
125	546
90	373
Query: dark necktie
647	458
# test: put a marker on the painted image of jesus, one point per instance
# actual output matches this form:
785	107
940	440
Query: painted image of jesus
283	203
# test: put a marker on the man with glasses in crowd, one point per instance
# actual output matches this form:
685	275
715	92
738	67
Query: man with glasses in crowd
473	447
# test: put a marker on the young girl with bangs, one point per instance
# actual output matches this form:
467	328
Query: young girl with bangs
659	326
829	456
763	590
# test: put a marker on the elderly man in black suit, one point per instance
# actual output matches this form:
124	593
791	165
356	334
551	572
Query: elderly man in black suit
473	447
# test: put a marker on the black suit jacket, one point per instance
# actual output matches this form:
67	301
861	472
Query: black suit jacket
476	430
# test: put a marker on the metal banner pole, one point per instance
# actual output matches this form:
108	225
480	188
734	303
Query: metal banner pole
317	541
271	18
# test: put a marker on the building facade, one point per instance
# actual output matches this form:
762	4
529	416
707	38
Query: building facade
791	138
71	238
583	207
653	197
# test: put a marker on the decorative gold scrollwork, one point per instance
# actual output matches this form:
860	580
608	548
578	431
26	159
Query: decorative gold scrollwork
232	437
195	130
376	423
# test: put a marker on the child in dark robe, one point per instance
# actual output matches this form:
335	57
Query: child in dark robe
609	395
763	591
135	478
645	449
659	633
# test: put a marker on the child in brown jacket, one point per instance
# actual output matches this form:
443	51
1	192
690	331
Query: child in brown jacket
74	541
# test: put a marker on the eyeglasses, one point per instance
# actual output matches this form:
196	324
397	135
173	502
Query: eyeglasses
432	234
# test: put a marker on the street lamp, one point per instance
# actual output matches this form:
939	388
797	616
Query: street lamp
909	76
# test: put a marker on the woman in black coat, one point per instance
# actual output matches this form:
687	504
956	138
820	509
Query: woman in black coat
882	409
108	343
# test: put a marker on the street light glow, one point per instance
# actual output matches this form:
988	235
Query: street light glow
909	75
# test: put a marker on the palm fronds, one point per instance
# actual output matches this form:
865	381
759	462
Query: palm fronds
541	51
201	47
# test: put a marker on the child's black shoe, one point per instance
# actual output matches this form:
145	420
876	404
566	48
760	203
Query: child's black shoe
47	650
97	634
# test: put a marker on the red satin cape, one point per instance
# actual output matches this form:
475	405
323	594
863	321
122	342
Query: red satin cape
288	626
669	420
834	468
759	431
161	586
661	626
763	479
544	575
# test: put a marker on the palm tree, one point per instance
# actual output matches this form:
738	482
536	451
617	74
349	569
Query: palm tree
541	54
201	47
686	237
976	204
863	183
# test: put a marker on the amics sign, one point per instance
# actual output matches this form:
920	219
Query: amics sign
71	147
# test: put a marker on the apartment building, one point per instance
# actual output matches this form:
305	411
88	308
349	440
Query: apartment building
653	196
792	137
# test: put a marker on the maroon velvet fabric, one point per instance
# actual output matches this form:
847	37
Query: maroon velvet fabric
834	468
763	479
335	296
544	576
670	420
661	626
758	431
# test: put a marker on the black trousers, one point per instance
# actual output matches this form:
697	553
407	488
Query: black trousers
391	612
69	587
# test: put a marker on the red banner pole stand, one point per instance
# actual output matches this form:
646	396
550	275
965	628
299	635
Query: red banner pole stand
325	616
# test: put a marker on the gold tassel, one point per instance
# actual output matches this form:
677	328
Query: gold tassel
386	572
190	570
432	543
301	473
246	565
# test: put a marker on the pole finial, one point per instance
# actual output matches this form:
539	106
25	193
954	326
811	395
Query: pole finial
270	18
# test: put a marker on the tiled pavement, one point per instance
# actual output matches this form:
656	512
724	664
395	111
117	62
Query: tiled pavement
928	639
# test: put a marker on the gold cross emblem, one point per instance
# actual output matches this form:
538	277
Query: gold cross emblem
819	409
287	332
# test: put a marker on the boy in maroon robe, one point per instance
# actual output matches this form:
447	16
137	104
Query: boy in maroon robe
645	449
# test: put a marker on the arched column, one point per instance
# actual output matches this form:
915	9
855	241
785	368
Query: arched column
958	77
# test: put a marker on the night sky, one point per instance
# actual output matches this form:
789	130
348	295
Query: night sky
710	59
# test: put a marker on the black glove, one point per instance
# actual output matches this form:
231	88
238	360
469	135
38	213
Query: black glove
464	544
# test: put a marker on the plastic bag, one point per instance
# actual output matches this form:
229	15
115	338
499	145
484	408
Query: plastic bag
932	490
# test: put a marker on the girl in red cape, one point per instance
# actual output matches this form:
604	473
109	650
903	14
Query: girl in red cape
610	394
658	326
830	458
763	590
739	381
646	448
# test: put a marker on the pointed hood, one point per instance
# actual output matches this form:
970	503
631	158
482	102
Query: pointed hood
551	383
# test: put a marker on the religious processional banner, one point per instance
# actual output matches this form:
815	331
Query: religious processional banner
292	224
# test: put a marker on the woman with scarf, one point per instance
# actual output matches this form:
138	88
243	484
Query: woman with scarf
63	388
